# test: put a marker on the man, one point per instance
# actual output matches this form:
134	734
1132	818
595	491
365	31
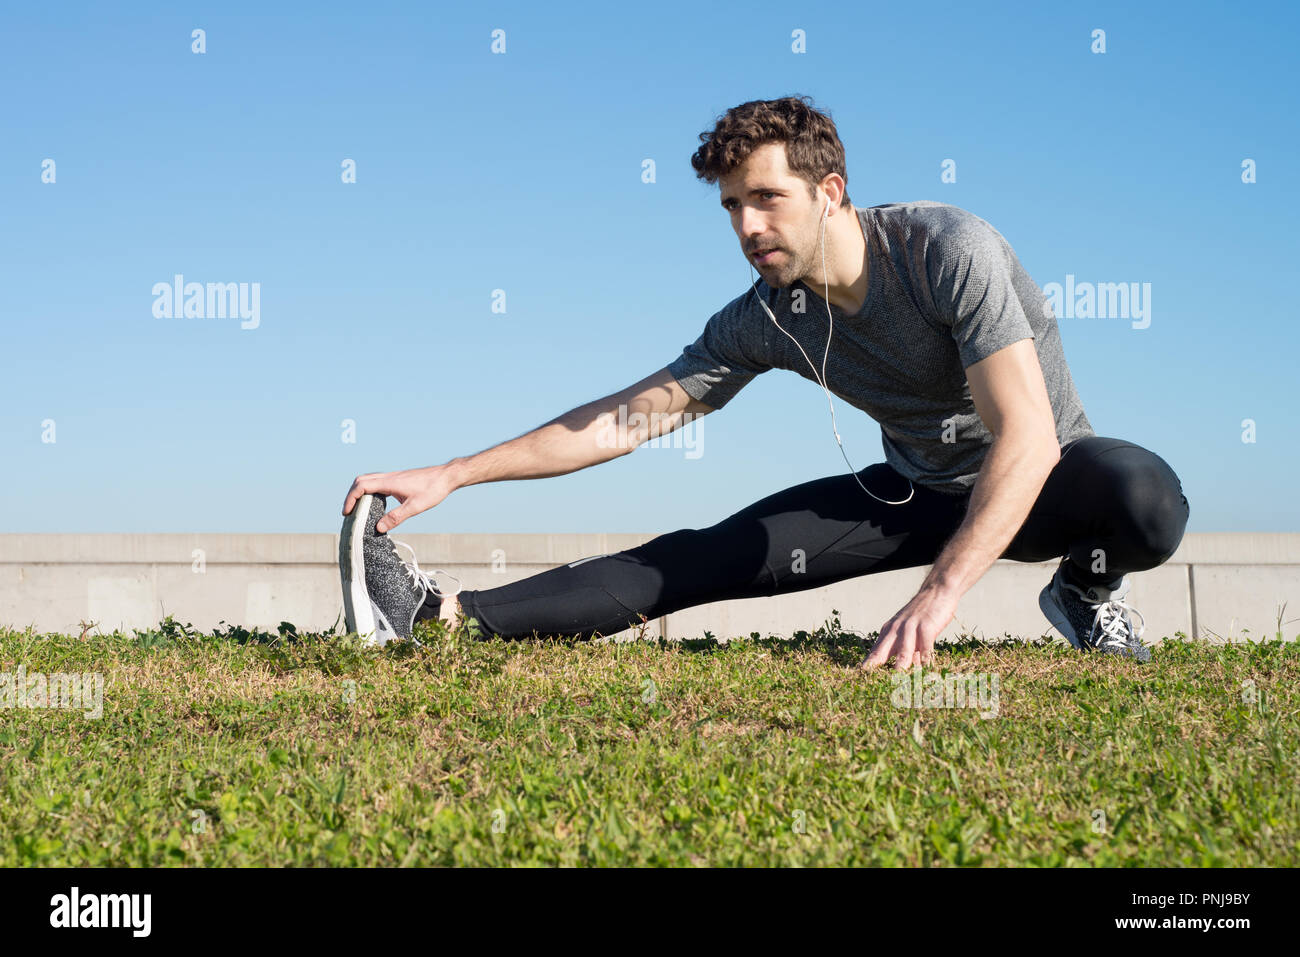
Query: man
934	329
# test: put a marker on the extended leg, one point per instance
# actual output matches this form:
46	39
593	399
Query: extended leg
809	535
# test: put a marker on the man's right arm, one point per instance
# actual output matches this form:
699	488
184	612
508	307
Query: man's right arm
585	436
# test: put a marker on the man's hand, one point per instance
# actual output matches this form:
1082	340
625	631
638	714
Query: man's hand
416	489
910	635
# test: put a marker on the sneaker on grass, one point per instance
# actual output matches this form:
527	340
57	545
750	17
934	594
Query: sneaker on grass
1093	618
381	591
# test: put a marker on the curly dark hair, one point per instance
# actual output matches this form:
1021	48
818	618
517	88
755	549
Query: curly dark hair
812	146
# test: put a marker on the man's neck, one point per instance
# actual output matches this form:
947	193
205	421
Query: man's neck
846	263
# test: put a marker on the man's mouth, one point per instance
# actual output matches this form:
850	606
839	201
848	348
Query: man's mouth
764	255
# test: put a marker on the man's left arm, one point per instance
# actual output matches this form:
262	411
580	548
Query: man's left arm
1011	398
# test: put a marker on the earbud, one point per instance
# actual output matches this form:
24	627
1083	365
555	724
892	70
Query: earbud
827	212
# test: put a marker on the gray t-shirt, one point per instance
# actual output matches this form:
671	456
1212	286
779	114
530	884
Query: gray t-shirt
946	290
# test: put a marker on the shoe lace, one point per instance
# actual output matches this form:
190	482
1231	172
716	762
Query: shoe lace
1112	628
422	579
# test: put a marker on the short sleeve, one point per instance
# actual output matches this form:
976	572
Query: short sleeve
725	357
970	271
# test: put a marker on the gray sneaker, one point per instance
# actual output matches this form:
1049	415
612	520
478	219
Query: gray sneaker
381	591
1093	619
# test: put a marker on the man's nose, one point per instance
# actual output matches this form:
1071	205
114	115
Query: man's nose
752	228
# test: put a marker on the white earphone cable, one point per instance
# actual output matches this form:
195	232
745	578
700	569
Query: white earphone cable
821	380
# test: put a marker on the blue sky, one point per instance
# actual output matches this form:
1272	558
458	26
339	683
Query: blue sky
522	172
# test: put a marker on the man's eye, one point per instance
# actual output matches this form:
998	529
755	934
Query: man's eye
731	206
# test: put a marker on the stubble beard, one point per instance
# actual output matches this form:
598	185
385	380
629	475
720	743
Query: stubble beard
786	273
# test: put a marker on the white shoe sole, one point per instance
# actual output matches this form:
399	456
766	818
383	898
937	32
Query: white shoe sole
1056	614
358	613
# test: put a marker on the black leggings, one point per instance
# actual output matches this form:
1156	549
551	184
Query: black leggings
1104	494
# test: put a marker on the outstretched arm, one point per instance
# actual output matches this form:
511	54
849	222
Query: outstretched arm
582	437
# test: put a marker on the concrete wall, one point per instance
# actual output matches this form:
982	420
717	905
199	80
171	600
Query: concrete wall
1225	585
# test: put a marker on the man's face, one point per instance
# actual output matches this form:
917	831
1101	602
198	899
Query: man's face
771	210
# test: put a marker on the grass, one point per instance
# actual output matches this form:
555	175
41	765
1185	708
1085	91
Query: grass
254	748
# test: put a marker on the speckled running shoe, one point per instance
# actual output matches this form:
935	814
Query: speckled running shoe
381	591
1093	619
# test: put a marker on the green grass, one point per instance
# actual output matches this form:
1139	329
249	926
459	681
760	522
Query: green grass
248	748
